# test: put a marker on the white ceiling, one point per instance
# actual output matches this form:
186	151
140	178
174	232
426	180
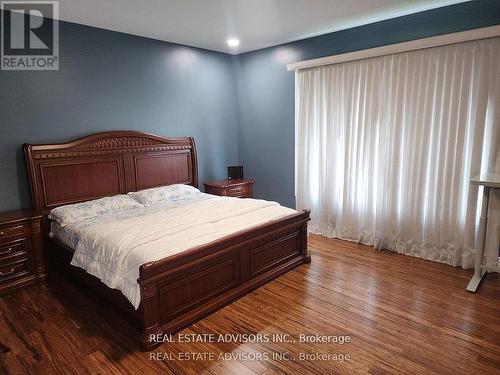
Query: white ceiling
257	23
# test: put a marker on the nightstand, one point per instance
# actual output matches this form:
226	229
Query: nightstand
230	188
21	250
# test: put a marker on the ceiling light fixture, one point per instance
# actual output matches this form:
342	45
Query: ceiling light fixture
233	42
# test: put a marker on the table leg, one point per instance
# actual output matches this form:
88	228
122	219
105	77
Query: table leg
481	240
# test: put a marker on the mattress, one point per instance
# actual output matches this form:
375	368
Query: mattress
112	247
70	234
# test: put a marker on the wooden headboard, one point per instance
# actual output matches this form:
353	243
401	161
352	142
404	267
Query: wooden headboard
106	164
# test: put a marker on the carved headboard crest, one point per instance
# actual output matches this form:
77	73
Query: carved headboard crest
119	142
106	164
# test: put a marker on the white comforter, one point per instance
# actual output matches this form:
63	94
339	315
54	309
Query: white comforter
113	249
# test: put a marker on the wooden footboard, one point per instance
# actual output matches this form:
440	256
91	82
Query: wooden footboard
179	290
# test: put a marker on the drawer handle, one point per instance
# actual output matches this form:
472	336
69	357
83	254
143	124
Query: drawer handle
2	233
12	270
9	250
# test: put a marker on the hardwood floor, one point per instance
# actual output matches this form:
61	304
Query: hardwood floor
403	315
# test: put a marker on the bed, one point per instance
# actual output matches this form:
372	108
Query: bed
184	285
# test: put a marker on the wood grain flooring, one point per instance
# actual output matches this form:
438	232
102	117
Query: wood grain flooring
403	315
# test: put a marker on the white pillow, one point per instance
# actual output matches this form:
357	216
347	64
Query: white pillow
72	213
149	197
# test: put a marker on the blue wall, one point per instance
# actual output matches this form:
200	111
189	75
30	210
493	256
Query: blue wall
115	81
266	89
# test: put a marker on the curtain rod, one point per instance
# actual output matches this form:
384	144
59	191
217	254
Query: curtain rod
435	41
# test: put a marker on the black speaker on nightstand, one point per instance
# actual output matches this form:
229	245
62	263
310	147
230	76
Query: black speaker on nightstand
235	172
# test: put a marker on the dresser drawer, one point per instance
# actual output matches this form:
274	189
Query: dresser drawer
22	260
7	233
12	250
14	270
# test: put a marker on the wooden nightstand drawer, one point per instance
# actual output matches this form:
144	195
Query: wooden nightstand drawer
238	191
230	188
12	250
14	270
8	233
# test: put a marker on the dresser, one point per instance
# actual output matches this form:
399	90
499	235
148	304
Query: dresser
21	250
231	188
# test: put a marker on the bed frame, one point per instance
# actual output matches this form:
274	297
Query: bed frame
181	289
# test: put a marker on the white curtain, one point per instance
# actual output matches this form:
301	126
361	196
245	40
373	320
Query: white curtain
385	147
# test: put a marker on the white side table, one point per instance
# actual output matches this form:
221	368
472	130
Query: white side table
488	181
